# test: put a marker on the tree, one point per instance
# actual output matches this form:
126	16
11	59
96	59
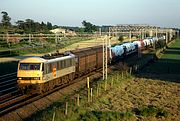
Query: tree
88	27
55	26
5	20
20	24
49	25
29	25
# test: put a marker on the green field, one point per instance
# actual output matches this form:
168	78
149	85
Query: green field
37	46
169	63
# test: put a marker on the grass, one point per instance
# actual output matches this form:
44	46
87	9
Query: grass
83	112
151	111
169	63
37	47
104	116
105	107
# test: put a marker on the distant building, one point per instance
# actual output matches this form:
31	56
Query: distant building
65	32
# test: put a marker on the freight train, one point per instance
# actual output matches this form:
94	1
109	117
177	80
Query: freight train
41	74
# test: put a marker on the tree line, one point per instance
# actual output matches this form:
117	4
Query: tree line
23	26
30	26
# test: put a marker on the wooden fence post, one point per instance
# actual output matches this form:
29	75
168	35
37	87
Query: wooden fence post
130	71
88	93
88	82
112	82
78	100
66	111
53	116
91	94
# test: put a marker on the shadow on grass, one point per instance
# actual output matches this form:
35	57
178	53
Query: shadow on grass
167	68
174	48
163	69
172	52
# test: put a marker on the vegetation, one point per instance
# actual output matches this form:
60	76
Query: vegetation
126	98
30	26
82	112
37	47
121	38
88	27
12	45
5	22
169	63
151	111
104	116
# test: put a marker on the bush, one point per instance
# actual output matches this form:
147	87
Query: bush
120	38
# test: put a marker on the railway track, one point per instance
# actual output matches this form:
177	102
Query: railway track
8	86
8	83
13	100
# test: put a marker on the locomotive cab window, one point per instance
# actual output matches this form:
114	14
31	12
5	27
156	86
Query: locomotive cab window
42	66
29	66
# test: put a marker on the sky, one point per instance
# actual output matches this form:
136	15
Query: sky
163	13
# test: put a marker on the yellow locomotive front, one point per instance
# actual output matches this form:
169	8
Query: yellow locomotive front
29	74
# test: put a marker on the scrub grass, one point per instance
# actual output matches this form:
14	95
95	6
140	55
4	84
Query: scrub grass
127	98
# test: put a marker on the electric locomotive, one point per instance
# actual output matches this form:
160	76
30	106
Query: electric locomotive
40	74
